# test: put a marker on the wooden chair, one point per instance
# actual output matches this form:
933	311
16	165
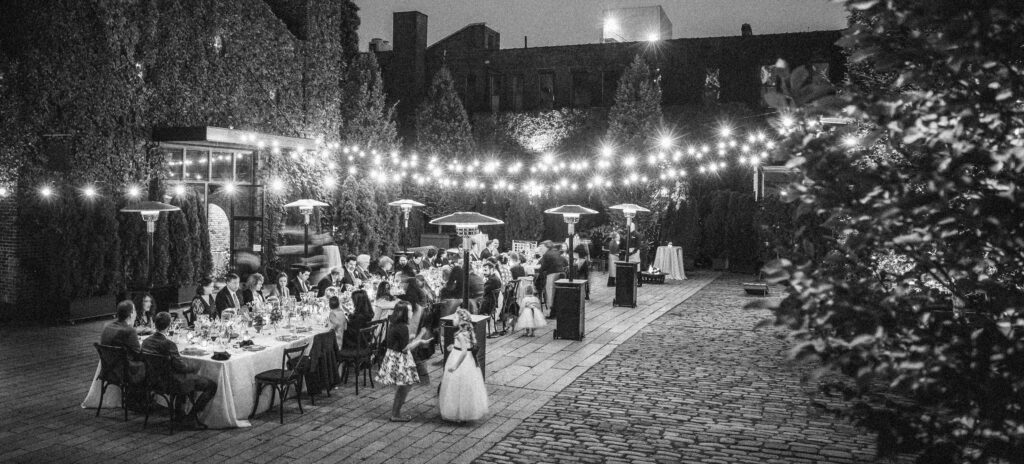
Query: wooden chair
294	365
114	370
364	356
160	382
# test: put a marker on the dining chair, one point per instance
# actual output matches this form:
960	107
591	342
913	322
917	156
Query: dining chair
160	382
114	371
294	364
362	358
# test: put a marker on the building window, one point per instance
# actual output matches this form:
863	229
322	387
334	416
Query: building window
197	165
175	164
546	90
469	100
515	97
494	92
712	87
581	90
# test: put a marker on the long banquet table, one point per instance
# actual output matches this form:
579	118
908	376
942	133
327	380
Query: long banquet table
236	384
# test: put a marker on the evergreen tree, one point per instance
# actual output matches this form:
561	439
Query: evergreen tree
636	116
367	119
442	125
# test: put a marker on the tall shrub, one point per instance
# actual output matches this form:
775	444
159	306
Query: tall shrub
952	376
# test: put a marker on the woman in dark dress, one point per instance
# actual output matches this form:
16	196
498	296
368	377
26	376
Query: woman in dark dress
360	317
202	303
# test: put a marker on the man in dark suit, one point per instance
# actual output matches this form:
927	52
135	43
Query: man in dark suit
300	284
122	333
186	378
417	264
227	297
329	280
492	285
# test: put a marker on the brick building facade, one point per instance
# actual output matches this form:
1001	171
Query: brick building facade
492	79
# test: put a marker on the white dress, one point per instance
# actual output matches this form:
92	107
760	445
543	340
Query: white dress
463	395
530	314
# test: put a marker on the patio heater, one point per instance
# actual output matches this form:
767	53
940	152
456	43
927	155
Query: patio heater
407	206
627	272
150	211
467	224
568	304
306	209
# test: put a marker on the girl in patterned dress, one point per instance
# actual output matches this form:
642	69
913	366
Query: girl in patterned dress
398	367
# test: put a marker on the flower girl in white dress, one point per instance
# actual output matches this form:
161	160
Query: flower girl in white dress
463	395
531	317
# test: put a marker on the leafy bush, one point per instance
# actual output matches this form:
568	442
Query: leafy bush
947	201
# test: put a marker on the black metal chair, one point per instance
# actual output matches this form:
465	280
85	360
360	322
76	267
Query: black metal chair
114	370
294	365
160	382
509	306
364	356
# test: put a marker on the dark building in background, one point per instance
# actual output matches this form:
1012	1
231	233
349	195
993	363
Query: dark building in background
492	79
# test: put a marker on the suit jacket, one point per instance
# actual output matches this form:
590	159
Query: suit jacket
249	295
349	279
517	271
359	273
121	334
325	283
297	287
224	301
486	253
183	375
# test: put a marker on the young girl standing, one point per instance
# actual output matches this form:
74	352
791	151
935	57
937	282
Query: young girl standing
531	317
398	367
463	395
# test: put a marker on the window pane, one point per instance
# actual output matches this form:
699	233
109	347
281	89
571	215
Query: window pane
221	166
243	167
546	90
197	165
240	237
174	162
244	201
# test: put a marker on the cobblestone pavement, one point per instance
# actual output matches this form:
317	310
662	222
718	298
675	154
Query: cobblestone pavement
45	374
697	385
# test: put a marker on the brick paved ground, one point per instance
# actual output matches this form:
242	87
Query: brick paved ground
45	374
697	385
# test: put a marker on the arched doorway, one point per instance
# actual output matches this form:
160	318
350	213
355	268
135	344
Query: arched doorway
220	238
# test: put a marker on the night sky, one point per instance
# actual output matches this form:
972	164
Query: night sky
562	22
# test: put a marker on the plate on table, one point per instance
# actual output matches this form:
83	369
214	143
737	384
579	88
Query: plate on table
303	329
287	338
254	348
194	352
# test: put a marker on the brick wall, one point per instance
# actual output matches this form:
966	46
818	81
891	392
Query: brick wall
8	254
220	239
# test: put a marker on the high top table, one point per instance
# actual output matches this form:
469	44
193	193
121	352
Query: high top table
669	259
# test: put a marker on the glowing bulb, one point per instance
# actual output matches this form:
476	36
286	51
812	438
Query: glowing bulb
229	188
46	191
666	142
653	37
134	192
330	182
851	141
180	189
611	24
724	131
787	121
89	191
607	151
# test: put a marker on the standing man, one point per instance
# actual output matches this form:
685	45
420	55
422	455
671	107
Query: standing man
300	284
186	378
227	297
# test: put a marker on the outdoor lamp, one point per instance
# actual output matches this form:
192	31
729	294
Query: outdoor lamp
407	206
571	214
466	225
150	211
306	209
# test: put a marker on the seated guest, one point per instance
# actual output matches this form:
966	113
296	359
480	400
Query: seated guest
281	291
122	333
476	285
227	297
385	267
202	303
144	309
384	302
361	268
337	320
417	264
453	283
330	280
252	296
515	266
186	378
428	293
362	314
300	284
404	267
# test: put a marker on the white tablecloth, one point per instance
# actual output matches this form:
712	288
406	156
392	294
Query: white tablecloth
670	260
236	381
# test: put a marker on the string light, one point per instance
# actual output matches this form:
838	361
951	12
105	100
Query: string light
134	191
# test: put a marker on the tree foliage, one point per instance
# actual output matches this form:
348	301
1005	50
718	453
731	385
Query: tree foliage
943	329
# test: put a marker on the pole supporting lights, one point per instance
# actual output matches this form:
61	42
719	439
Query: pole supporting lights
306	210
150	211
467	224
407	206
